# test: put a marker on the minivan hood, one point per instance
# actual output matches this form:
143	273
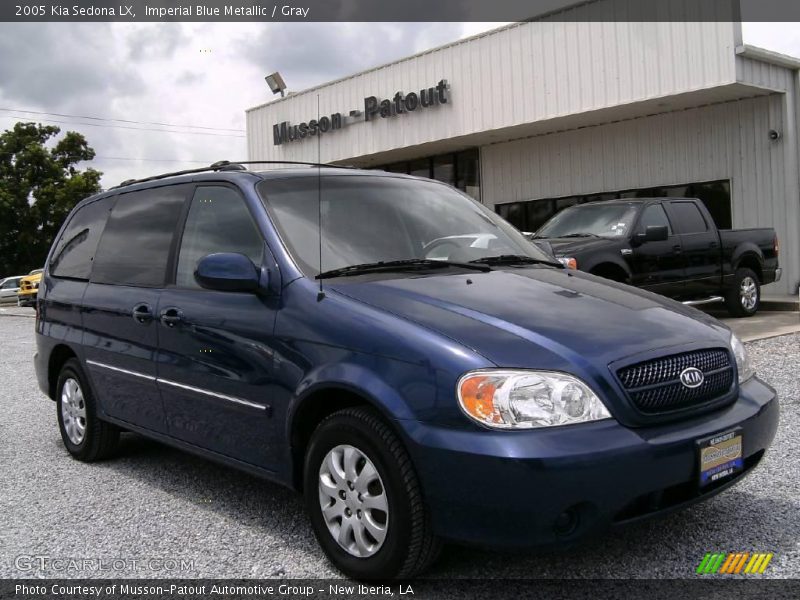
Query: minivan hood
538	317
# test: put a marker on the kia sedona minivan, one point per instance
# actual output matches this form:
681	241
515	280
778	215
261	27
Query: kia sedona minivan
394	351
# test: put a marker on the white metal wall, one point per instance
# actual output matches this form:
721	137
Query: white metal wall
722	141
521	74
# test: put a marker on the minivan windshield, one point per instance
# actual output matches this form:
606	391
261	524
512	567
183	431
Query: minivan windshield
604	220
381	219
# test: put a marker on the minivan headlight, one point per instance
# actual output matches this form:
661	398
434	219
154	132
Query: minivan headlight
518	399
743	364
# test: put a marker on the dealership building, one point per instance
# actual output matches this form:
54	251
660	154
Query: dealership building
537	116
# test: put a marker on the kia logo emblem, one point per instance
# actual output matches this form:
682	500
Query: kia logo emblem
692	377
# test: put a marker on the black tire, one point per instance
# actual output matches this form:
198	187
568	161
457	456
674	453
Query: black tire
99	439
737	303
409	546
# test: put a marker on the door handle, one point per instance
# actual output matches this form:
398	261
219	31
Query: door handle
171	316
676	249
142	313
713	245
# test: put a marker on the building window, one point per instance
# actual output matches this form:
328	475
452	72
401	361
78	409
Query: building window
420	167
532	214
459	169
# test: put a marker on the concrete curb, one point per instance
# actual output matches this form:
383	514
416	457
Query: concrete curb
780	305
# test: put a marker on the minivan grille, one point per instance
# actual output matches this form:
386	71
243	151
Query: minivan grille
654	386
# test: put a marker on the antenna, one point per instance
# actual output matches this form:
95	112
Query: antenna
321	293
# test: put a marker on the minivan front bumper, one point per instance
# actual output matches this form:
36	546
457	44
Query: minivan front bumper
511	489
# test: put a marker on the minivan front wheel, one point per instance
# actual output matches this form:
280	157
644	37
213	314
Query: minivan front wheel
364	499
85	437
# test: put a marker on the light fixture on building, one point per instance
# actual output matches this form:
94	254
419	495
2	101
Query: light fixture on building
275	83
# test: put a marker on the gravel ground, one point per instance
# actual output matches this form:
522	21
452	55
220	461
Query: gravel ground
155	502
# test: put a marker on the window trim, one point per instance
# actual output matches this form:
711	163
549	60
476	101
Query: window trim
177	240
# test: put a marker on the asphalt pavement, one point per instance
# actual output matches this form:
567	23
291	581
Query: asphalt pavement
157	512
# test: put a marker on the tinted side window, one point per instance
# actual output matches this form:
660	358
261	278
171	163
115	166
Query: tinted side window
688	217
654	215
76	248
218	221
134	249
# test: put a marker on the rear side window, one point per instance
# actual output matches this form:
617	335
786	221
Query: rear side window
135	246
75	250
688	217
218	221
654	215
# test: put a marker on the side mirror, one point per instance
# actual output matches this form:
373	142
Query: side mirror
227	272
653	233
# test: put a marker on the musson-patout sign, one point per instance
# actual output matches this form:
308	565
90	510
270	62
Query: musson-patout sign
399	104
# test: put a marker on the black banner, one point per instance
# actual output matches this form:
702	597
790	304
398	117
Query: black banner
421	589
400	10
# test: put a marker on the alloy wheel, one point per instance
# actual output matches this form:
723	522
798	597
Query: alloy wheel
73	411
748	293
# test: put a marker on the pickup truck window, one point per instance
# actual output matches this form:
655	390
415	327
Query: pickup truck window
654	215
688	217
606	220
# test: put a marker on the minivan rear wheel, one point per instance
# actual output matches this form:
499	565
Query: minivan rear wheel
364	499
85	437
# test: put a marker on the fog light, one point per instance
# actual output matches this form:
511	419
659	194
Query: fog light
567	522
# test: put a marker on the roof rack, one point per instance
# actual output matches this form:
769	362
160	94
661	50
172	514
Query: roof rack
226	165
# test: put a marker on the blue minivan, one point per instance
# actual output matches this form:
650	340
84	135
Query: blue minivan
395	351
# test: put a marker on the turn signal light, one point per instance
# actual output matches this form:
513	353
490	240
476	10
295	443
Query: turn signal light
568	262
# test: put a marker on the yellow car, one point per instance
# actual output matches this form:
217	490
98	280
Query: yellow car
28	288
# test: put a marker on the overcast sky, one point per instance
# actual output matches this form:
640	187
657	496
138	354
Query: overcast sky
204	75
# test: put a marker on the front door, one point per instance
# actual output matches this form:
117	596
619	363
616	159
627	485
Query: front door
215	353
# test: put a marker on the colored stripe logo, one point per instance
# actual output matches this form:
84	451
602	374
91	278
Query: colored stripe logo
734	563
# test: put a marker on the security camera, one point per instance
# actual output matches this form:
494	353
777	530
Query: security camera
774	135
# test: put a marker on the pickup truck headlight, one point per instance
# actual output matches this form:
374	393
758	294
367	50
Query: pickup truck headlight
743	365
517	399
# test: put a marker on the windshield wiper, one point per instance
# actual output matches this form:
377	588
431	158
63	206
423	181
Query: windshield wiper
399	265
572	235
515	259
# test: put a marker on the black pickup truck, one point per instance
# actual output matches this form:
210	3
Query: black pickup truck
670	246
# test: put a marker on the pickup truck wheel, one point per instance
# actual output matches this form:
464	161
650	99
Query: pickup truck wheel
86	437
744	297
364	499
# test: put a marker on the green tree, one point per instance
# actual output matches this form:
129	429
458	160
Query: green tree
39	185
